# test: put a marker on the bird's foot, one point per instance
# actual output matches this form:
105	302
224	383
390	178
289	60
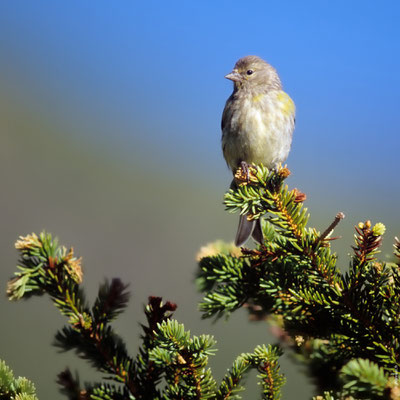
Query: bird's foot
246	170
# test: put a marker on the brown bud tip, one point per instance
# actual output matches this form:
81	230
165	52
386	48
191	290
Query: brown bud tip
299	197
155	301
170	306
284	172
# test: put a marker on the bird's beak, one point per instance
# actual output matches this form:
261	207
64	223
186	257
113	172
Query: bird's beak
234	76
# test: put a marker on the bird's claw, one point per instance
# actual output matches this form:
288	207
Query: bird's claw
245	169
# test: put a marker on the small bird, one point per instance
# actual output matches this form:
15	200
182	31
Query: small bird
257	126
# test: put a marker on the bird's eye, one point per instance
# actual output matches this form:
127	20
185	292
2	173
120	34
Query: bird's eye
249	71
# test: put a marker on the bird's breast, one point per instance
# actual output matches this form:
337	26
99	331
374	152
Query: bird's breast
259	129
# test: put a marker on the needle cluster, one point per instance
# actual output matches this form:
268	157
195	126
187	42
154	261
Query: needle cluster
345	325
169	364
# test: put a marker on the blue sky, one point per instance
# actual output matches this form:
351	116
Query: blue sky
145	79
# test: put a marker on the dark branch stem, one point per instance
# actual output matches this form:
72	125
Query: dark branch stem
331	227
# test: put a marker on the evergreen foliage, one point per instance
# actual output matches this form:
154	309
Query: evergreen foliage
12	388
345	325
170	364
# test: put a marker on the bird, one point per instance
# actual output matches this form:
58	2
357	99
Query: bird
257	126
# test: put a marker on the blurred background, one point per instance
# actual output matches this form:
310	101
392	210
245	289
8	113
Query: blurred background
110	139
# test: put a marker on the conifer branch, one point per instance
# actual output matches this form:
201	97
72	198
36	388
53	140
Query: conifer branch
344	325
170	364
366	380
12	388
331	227
295	276
265	360
70	386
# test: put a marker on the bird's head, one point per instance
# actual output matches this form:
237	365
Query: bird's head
252	72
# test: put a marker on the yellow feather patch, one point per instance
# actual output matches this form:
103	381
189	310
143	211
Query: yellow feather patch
286	103
258	97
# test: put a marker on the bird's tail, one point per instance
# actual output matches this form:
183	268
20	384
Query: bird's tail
247	228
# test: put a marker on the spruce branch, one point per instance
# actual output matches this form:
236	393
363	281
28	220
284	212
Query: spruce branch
70	386
265	360
346	325
12	388
368	240
170	364
112	299
183	361
331	227
48	268
294	276
364	379
397	249
147	373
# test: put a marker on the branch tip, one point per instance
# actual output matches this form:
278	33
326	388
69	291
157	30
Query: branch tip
339	216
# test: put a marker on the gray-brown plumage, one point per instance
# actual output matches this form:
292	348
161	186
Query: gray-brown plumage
257	125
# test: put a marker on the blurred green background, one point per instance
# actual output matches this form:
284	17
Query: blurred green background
110	139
